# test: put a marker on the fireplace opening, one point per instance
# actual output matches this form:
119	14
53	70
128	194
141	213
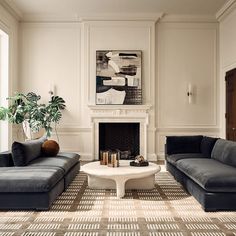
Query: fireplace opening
120	136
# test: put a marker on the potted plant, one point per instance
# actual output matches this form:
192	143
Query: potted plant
25	109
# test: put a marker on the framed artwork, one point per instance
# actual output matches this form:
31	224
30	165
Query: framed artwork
118	77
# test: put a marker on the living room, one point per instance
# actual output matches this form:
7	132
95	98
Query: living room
186	49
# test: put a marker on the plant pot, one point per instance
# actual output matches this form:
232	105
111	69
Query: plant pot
30	135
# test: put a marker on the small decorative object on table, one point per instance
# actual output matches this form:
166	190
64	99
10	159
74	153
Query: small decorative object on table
125	155
113	159
109	158
104	157
139	161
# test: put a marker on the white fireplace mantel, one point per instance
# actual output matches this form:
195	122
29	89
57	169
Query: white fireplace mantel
120	114
119	110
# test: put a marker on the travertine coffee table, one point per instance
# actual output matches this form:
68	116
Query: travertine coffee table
120	178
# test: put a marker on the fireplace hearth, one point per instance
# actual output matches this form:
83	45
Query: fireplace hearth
123	137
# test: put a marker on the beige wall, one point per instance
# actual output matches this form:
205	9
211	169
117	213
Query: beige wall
51	54
63	54
185	52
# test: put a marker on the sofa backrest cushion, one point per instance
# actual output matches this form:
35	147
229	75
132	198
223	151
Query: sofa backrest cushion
183	144
207	145
6	159
225	152
23	153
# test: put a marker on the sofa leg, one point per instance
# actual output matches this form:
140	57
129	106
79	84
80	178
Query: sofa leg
42	209
209	210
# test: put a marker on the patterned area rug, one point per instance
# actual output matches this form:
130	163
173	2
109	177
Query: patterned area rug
166	210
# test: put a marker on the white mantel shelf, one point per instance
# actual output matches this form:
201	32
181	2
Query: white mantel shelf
120	111
144	107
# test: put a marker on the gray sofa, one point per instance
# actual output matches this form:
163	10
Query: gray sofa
29	180
206	167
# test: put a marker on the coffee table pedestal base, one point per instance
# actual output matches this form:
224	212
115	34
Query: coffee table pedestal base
121	184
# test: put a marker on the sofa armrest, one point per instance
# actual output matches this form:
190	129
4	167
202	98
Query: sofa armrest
6	159
183	144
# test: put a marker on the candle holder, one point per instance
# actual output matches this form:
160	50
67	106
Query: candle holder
113	159
104	156
110	158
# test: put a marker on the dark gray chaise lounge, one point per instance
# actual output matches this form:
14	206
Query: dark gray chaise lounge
29	180
206	167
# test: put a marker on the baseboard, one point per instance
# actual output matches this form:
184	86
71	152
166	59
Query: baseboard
151	157
86	157
161	157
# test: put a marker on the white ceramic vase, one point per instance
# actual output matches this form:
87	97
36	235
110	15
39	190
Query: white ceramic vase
30	135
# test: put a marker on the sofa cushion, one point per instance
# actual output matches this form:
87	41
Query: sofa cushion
64	162
207	145
29	179
23	153
210	174
6	159
176	157
225	152
183	144
69	155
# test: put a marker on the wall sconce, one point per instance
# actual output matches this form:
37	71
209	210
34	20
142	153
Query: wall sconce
190	93
51	90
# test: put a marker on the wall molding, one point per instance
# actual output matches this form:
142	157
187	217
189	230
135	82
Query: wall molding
171	18
189	129
117	17
11	8
73	129
88	26
88	17
165	26
226	10
124	17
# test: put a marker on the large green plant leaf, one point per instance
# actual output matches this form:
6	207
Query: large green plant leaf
57	101
57	116
26	107
3	113
32	97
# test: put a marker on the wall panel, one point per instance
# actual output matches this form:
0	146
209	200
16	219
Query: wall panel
187	54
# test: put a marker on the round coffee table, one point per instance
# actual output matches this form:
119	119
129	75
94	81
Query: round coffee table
103	177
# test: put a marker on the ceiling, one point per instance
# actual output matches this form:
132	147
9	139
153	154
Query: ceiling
93	7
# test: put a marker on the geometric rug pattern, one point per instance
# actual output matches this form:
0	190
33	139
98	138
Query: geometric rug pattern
166	210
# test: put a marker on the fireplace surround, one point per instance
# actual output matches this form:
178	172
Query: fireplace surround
138	114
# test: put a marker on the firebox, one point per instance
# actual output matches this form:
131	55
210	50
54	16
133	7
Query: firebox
124	137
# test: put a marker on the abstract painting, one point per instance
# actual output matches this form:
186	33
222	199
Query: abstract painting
118	77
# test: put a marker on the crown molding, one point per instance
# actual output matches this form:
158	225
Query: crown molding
226	10
49	18
124	17
87	17
171	18
10	7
